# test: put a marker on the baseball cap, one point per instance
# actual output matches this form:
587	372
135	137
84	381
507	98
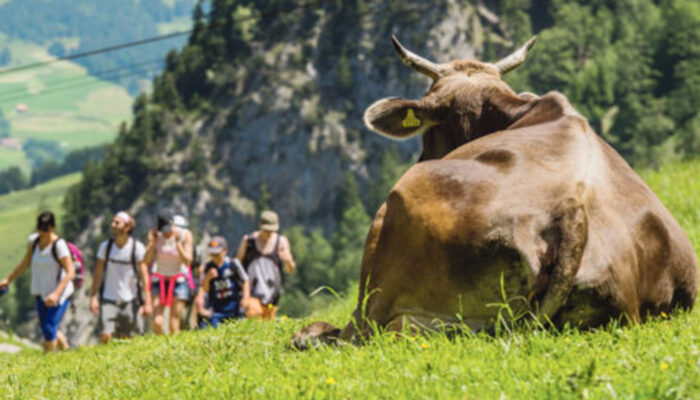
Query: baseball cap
180	221
269	221
217	244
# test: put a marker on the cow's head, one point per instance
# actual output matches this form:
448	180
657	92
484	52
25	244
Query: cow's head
467	100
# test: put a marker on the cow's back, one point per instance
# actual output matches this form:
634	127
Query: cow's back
507	186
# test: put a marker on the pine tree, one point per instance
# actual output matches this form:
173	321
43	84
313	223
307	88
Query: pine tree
349	237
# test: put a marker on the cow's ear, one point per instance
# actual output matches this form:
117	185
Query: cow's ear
399	119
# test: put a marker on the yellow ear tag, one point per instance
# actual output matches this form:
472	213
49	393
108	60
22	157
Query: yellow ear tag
410	121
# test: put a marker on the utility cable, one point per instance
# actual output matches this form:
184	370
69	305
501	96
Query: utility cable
153	39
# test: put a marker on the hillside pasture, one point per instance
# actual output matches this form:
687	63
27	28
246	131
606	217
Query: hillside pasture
13	158
64	104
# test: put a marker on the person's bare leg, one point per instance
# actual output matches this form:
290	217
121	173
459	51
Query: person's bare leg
158	321
269	312
61	341
255	309
193	317
175	315
105	337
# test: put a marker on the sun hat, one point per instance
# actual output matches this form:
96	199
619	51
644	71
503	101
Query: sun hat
269	221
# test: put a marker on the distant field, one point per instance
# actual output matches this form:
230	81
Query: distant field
18	213
249	359
64	104
10	158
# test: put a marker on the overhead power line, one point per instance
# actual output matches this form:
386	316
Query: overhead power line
152	39
93	81
89	76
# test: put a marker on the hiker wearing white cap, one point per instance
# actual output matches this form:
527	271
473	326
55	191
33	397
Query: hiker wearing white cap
122	295
171	249
263	254
226	284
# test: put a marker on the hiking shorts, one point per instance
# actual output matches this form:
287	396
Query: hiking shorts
50	318
121	319
217	318
180	292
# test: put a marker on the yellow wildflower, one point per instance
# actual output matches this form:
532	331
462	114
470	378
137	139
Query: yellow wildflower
424	345
663	315
663	366
330	381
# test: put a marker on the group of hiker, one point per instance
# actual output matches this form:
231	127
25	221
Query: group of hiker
132	281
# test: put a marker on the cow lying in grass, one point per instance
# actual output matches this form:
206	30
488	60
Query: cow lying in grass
512	187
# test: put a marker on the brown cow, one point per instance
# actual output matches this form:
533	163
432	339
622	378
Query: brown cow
512	187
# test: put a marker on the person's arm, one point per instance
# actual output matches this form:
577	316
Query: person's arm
67	264
147	302
246	283
151	247
20	268
285	254
246	294
200	294
96	283
184	249
240	255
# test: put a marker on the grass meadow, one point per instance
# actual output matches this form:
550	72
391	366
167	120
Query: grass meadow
249	359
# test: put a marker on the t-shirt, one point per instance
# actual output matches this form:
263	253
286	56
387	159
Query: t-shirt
46	272
120	282
168	261
225	289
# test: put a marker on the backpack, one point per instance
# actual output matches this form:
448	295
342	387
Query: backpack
139	285
265	274
77	257
265	280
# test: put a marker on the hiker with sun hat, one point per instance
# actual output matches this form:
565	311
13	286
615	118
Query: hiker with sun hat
264	254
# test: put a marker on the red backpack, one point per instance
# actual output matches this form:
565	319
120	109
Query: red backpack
76	255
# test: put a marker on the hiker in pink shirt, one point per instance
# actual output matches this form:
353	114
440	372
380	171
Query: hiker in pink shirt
170	248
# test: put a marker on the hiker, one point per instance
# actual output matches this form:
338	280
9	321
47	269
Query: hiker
225	283
122	292
193	270
170	248
263	253
52	267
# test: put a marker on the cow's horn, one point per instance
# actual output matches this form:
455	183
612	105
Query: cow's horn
415	61
516	58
